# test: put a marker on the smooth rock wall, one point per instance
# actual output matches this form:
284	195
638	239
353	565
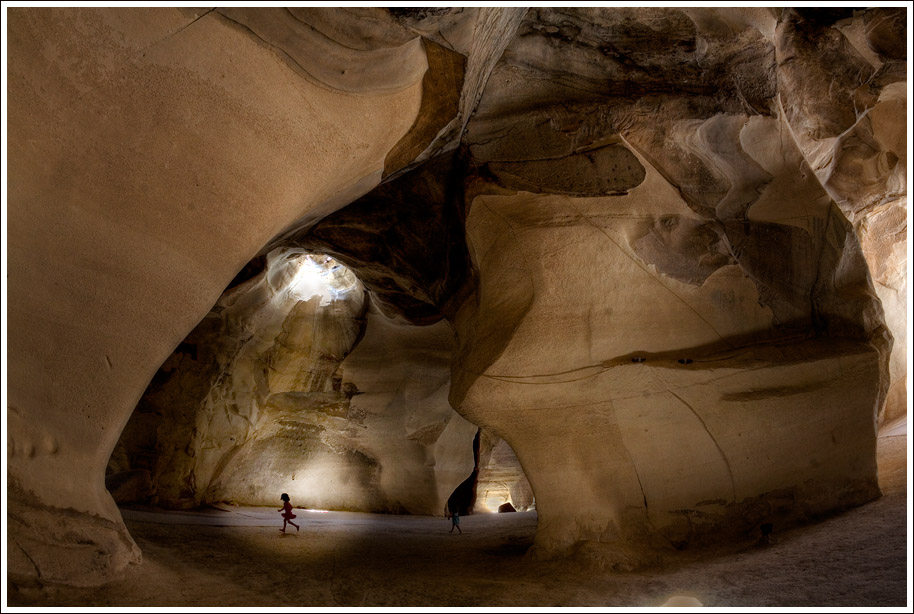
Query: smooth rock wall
390	443
638	186
676	394
152	152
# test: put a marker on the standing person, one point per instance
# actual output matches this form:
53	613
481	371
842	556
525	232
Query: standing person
287	514
455	522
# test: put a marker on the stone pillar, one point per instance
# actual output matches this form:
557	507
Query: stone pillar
660	376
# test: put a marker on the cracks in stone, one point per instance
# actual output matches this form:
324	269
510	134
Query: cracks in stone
142	52
176	32
661	361
278	51
513	232
555	374
644	268
398	394
511	378
491	36
647	513
26	554
738	371
717	445
501	41
315	30
450	45
785	120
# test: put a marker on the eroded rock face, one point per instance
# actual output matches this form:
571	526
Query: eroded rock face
402	413
725	249
390	443
501	484
843	88
643	226
264	397
612	433
152	154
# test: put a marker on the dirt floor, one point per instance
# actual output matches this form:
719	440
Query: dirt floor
239	558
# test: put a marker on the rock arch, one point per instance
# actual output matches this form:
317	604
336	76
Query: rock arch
669	170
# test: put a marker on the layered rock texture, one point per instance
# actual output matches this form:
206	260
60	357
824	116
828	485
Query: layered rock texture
658	254
501	484
264	397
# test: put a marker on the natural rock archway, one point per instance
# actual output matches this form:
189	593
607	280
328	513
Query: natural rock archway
644	239
152	154
294	383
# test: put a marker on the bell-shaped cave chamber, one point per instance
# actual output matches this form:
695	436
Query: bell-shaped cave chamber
298	382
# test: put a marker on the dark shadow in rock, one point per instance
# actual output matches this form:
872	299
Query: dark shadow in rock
684	248
609	170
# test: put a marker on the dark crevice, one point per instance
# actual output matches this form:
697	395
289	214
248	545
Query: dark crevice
463	499
251	270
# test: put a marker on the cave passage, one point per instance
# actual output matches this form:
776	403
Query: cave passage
295	382
659	254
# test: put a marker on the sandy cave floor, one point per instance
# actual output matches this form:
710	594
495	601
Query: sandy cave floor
239	558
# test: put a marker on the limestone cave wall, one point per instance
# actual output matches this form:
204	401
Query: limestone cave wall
317	395
659	252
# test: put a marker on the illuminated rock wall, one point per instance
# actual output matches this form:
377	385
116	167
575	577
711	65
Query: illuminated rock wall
264	397
654	233
501	478
152	153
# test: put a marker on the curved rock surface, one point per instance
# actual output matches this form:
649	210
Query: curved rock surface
267	396
501	484
142	143
662	251
851	126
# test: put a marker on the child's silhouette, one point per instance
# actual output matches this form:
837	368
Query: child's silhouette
287	514
455	521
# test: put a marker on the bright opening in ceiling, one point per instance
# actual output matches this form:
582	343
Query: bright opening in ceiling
320	275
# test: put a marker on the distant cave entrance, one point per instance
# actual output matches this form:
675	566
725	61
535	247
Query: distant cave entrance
497	482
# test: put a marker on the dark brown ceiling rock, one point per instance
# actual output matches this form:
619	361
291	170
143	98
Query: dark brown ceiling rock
441	86
818	68
404	240
885	32
479	34
559	91
829	90
612	169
